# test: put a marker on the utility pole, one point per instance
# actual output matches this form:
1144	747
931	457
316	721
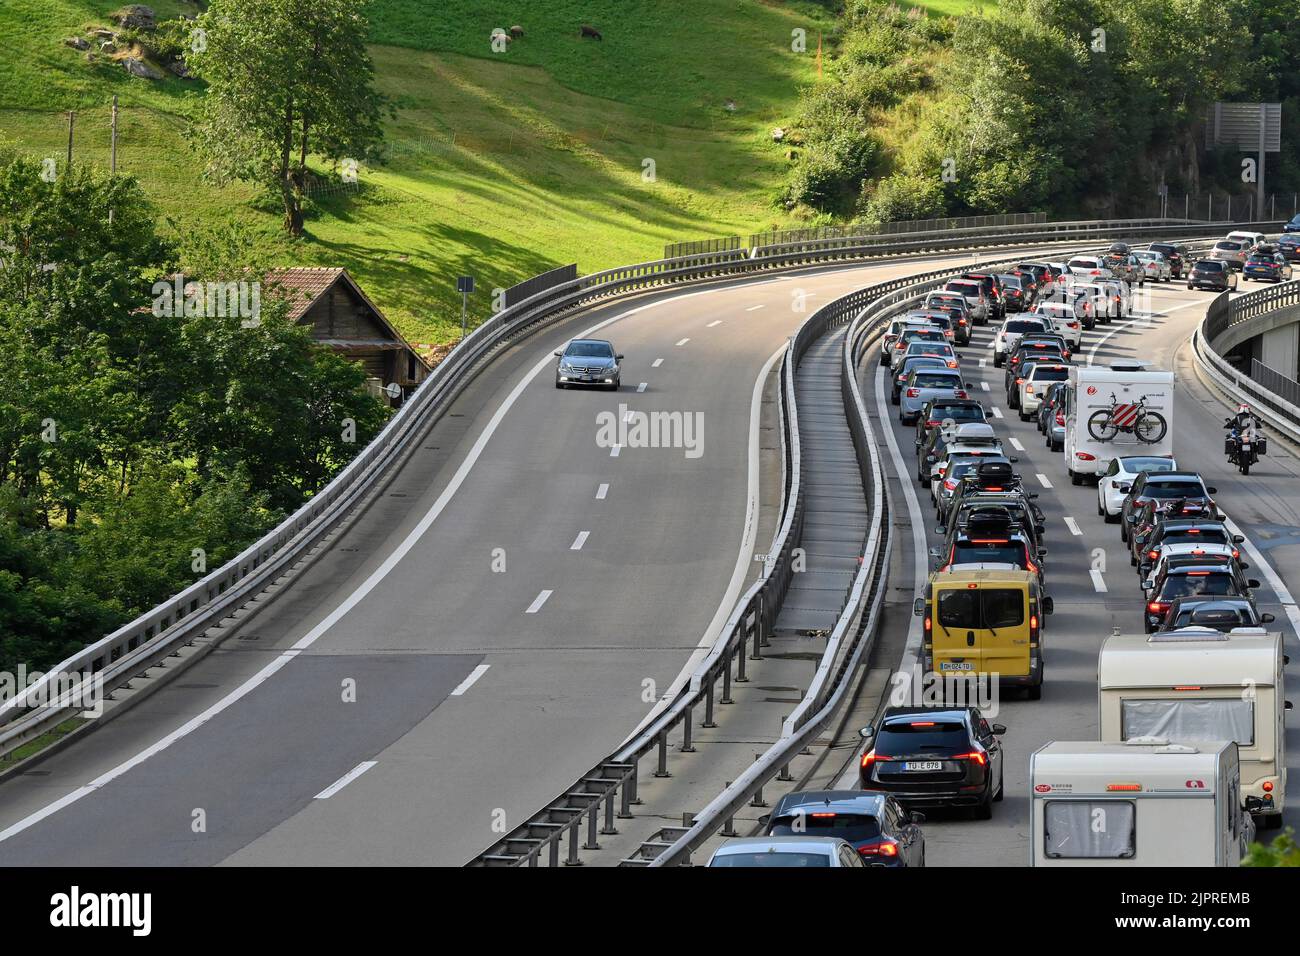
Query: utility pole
112	155
72	118
112	151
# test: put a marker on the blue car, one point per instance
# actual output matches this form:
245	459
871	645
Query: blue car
1293	225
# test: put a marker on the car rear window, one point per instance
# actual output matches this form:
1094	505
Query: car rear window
958	413
988	552
934	380
922	735
776	858
854	827
1216	617
1024	325
1210	265
1197	582
1045	374
1190	536
965	288
1227	245
1171	488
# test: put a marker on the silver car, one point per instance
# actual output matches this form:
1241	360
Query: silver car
925	385
588	362
1154	265
1230	251
958	467
799	852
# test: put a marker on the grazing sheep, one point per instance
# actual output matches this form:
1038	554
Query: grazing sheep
589	31
516	31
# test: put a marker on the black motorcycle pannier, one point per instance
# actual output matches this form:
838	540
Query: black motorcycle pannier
1261	445
1229	445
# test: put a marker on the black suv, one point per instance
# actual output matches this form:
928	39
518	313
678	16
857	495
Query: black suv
935	757
1183	531
1165	488
874	824
1193	580
990	537
1212	274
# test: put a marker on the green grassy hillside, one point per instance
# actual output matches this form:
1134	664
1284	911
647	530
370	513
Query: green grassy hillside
500	165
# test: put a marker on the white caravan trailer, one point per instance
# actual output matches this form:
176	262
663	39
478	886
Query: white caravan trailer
1142	803
1198	684
1119	409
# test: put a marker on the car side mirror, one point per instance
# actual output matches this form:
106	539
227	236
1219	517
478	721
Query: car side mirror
1042	552
619	357
867	731
765	819
934	552
1286	705
558	354
1213	491
931	457
1148	584
1032	495
999	729
916	816
1040	529
1252	583
918	606
1132	519
1048	605
1243	565
1266	618
1253	804
1123	489
1014	460
1238	538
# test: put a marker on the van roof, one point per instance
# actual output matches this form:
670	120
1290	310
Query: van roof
1137	660
1091	767
981	576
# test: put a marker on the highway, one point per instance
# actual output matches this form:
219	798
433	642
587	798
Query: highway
1265	506
508	611
523	594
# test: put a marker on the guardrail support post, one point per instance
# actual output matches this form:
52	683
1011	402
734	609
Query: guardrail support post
591	843
741	676
687	746
784	775
609	828
662	769
726	677
728	827
554	850
709	722
573	859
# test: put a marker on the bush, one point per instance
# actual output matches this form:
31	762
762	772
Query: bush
1281	852
902	196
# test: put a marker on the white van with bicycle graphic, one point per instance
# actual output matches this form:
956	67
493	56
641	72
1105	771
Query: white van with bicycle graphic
1124	408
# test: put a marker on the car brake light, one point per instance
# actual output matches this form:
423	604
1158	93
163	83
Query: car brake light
884	848
913	392
1157	607
1060	418
976	755
949	483
952	364
1029	388
1084	456
871	757
960	393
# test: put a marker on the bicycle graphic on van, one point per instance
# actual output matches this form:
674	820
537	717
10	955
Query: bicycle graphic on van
1129	418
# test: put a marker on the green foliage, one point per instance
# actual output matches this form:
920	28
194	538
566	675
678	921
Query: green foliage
133	432
1283	851
902	196
287	79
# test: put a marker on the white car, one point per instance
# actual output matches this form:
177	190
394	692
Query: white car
1120	296
1215	552
939	469
1114	484
1089	268
1155	265
1011	331
1099	301
801	852
975	298
1035	385
1065	320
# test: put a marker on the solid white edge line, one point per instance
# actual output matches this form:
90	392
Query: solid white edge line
346	779
468	682
1274	579
744	556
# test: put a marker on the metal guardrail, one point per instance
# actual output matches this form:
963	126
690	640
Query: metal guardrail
944	224
1278	409
141	644
1271	380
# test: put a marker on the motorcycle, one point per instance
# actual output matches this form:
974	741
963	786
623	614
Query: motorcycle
1243	450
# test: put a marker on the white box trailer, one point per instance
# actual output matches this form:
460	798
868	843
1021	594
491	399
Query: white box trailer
1142	803
1123	408
1197	684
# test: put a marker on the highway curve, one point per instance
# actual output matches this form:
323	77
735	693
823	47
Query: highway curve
1265	505
400	698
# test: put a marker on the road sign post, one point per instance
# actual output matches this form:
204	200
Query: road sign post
464	285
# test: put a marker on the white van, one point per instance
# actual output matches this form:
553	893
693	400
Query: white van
1142	803
1119	409
1197	684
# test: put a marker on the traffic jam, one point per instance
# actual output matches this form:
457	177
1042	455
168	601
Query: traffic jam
1186	768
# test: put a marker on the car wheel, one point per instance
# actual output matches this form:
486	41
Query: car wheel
893	399
1034	691
1101	511
558	385
984	811
1076	478
1002	787
1123	528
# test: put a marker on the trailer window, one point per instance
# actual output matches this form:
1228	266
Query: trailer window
1190	720
1089	830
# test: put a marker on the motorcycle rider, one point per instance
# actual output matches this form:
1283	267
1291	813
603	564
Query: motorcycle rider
1245	427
